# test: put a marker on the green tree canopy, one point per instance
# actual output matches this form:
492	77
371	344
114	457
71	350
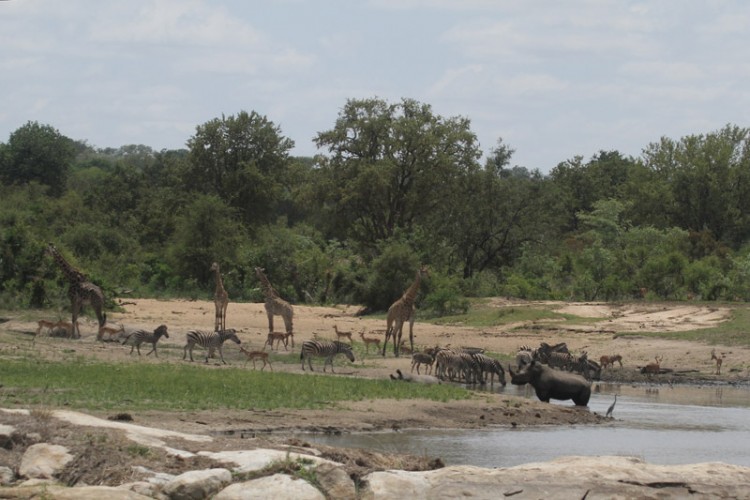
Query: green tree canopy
391	166
37	153
242	159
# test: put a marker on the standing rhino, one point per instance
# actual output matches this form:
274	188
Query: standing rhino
553	384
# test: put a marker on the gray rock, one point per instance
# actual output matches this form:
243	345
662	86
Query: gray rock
6	476
336	482
6	433
43	461
278	487
198	484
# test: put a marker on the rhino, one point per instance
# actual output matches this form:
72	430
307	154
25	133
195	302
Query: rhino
553	384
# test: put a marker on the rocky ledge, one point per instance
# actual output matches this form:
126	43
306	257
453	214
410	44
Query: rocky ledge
266	473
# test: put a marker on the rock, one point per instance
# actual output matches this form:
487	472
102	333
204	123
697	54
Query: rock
43	461
278	486
563	478
6	476
336	482
57	492
6	439
197	484
259	458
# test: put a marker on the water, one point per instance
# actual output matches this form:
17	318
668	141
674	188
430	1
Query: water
664	425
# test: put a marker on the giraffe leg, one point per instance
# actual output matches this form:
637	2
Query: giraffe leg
399	330
74	330
411	332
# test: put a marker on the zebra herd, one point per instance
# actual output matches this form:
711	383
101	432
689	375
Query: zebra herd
466	365
214	341
558	356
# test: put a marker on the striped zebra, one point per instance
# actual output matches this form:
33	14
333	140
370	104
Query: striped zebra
560	360
141	336
324	348
489	366
209	341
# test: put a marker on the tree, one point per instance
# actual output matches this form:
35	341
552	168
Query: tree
493	212
37	153
207	231
391	166
241	159
709	176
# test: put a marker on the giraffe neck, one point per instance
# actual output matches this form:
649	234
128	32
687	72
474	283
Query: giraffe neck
219	284
72	274
411	293
268	291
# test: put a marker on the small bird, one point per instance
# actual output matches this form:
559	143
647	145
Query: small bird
612	407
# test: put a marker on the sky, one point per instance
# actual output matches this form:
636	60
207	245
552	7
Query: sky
552	79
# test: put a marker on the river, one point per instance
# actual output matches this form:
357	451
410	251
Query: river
660	424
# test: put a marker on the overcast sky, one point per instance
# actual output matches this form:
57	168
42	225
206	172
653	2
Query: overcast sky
554	79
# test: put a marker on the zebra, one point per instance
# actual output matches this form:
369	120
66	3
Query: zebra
141	336
489	366
209	341
560	360
421	358
545	350
324	348
525	357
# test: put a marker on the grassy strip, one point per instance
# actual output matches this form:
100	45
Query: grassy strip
99	386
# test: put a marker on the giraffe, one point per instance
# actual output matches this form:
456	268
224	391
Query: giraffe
275	305
401	311
80	291
221	300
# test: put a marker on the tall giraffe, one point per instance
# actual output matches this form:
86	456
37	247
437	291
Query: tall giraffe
275	305
221	300
401	311
80	291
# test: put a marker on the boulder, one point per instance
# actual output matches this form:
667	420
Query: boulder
277	486
197	484
336	482
43	461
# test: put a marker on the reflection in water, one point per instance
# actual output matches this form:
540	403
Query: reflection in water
669	425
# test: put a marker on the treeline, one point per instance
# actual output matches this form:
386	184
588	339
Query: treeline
395	186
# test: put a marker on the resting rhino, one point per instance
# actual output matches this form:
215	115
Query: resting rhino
421	379
553	384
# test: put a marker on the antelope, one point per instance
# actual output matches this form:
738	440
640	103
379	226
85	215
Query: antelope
342	335
610	361
255	355
368	341
719	361
278	337
43	323
653	368
402	348
67	326
111	331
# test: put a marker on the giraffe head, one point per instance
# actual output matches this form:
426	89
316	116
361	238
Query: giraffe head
215	267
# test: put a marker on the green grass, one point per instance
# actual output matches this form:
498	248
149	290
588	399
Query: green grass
99	386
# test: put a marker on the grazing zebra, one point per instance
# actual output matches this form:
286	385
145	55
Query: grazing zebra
141	336
209	341
489	366
323	348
